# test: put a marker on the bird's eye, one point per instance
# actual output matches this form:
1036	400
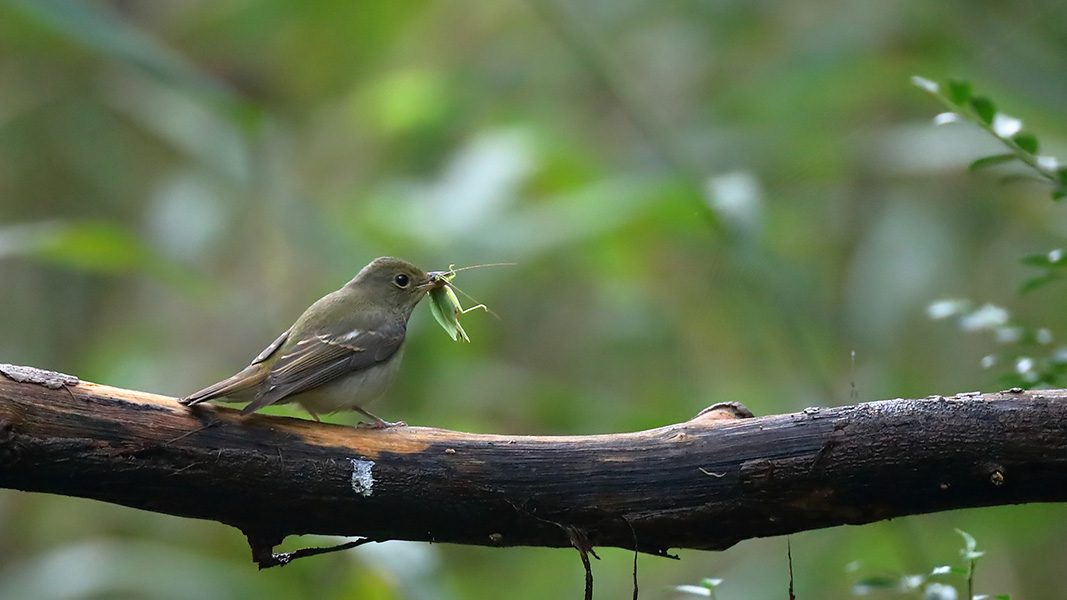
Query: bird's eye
401	280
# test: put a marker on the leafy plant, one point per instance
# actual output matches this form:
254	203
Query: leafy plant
1022	145
937	584
1033	359
1029	353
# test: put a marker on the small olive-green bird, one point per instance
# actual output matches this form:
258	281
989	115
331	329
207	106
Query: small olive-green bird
343	352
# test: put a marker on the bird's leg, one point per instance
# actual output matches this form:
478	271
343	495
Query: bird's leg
378	423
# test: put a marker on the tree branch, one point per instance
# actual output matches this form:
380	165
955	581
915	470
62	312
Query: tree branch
706	483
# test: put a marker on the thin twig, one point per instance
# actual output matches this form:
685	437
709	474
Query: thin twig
789	555
581	543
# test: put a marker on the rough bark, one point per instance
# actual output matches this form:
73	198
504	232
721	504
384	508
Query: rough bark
706	483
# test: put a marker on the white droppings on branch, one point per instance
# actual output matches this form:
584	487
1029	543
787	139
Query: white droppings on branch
362	478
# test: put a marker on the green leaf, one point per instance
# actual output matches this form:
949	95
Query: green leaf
1052	259
951	571
95	246
1035	260
959	91
1060	191
1036	283
984	108
90	245
989	161
970	545
877	582
1027	142
968	540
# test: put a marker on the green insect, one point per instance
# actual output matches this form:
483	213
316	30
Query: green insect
445	306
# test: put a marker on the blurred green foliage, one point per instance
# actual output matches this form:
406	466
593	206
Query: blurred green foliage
943	582
706	202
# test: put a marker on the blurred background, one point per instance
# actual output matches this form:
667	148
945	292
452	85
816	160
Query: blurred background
706	201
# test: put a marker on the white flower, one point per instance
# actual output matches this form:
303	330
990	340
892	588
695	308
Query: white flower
926	84
1048	163
1006	126
911	582
1008	335
1024	365
940	591
945	118
943	309
986	317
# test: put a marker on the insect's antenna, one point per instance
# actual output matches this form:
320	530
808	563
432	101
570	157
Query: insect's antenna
468	297
502	264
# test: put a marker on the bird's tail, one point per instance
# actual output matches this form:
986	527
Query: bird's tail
238	388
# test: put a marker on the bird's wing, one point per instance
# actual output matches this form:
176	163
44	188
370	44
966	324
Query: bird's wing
318	359
248	378
272	348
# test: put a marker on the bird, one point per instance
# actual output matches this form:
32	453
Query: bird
343	352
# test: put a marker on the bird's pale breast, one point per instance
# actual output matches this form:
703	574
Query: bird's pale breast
351	391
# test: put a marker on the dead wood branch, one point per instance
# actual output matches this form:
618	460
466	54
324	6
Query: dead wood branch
706	483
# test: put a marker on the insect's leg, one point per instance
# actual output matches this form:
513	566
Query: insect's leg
467	310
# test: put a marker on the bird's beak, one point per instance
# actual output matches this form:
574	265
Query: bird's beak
433	280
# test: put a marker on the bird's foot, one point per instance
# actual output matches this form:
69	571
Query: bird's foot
380	424
376	421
